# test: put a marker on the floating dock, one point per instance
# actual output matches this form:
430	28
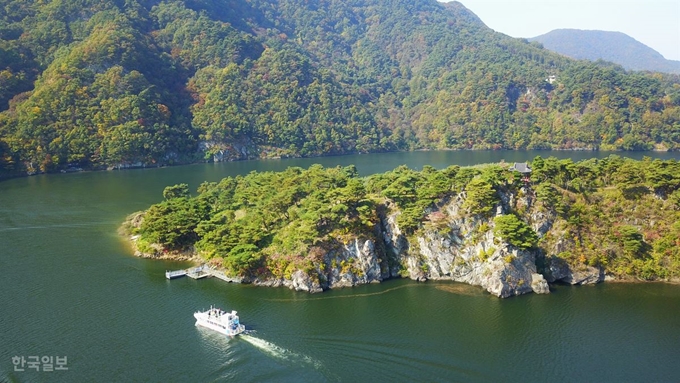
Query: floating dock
220	275
175	274
198	272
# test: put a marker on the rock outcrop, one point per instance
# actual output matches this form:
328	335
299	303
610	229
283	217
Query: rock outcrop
354	263
466	250
560	271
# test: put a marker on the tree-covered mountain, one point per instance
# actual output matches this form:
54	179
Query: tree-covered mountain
616	47
97	83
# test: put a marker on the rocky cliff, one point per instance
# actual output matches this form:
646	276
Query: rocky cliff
462	249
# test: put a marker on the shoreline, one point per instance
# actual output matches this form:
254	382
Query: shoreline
195	258
186	256
69	170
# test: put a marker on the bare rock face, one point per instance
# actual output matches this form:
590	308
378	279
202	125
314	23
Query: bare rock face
465	250
585	276
512	273
302	281
351	264
367	260
560	271
395	242
542	222
539	284
355	263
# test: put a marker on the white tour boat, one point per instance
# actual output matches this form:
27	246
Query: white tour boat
220	321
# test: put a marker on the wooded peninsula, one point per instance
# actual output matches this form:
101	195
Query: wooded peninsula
488	225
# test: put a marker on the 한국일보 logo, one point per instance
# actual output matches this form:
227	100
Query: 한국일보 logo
40	363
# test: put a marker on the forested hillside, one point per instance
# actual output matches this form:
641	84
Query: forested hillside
96	83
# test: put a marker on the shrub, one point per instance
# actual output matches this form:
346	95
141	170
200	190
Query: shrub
481	197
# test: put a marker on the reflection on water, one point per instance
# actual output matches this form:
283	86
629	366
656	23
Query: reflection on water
462	289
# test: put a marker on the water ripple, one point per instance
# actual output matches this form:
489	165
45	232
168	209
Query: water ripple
59	226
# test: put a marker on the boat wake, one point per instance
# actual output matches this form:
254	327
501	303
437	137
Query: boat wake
279	352
267	347
353	296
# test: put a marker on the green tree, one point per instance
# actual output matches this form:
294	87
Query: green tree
242	259
632	240
172	223
176	191
514	231
481	197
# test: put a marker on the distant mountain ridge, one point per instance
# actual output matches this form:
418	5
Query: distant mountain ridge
616	47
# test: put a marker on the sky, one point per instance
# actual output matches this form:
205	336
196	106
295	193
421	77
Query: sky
655	23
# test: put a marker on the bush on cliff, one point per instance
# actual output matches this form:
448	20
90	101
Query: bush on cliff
514	231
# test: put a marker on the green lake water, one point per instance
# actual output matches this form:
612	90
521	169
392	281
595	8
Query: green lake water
69	286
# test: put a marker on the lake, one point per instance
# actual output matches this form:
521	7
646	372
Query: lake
71	288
